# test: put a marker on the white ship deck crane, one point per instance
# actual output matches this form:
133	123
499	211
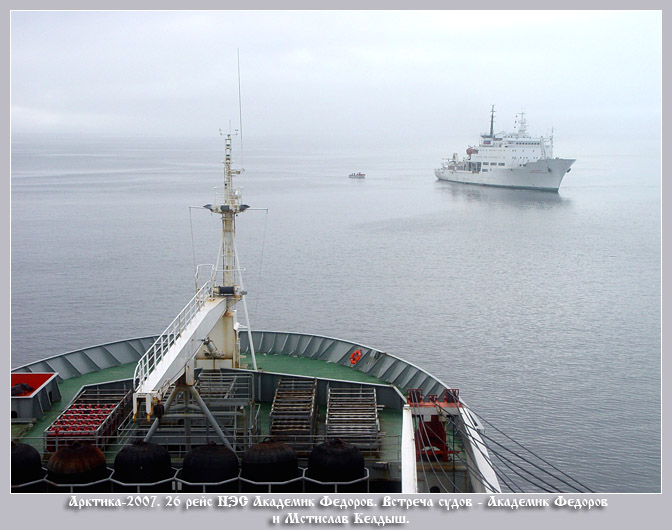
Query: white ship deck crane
205	333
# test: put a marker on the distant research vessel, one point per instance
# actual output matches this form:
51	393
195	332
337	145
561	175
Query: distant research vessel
508	160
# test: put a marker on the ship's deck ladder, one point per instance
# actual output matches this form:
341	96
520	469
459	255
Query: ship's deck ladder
167	358
352	415
294	411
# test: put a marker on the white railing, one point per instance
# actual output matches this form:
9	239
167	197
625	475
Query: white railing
225	195
204	277
156	351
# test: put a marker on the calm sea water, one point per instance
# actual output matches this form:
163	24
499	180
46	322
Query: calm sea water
543	309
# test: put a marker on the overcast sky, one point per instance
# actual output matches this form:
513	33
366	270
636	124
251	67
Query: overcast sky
421	77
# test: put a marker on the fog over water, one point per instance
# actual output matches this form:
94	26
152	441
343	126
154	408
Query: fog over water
543	309
360	78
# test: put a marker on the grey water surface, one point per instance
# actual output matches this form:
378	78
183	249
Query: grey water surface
542	308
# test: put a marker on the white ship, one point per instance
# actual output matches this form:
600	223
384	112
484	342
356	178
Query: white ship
508	160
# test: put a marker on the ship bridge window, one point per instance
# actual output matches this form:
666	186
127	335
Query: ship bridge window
501	164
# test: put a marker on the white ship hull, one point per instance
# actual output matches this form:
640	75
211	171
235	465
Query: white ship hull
545	174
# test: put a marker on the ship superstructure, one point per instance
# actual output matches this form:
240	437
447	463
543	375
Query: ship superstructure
510	160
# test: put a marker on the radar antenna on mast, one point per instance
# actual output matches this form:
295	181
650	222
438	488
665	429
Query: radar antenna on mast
522	124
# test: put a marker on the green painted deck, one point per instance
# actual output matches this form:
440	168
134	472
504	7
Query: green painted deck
390	420
311	367
69	389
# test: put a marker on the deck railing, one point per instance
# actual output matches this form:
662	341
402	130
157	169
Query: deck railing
162	344
226	195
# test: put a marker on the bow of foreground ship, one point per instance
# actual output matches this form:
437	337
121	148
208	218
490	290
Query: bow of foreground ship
508	160
213	406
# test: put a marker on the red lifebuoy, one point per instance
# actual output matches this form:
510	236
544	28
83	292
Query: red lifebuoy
356	356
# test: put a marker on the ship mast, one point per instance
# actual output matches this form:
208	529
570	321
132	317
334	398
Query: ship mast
221	349
223	346
205	333
229	208
522	125
492	122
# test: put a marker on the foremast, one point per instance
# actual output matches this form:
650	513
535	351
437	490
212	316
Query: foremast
205	333
221	349
492	122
